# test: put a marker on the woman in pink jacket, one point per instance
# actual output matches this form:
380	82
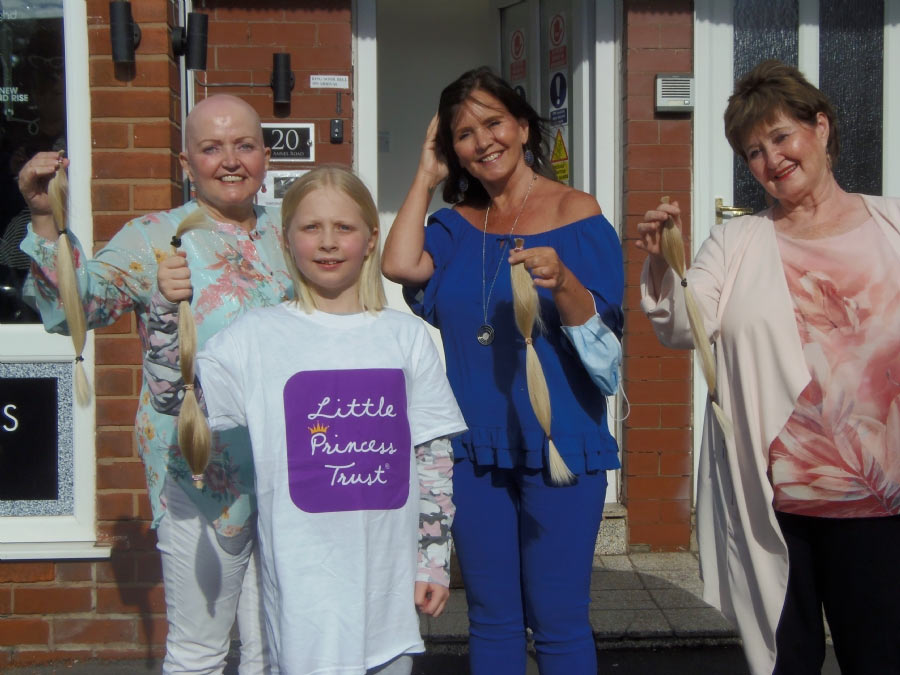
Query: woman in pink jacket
798	509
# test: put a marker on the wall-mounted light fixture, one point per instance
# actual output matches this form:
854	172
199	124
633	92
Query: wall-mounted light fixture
282	81
191	43
124	33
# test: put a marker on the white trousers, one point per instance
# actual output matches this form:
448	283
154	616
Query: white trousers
209	580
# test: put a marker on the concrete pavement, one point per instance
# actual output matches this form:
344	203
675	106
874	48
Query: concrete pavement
638	600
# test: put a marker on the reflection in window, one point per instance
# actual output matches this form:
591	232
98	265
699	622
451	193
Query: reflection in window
763	29
32	118
851	70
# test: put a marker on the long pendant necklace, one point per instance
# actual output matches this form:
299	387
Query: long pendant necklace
485	334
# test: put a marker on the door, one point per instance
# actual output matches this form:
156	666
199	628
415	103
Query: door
538	44
848	50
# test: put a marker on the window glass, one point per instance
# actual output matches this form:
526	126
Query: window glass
851	72
32	118
762	30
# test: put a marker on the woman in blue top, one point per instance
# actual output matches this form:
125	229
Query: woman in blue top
525	544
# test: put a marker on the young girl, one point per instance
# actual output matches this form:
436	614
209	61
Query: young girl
349	413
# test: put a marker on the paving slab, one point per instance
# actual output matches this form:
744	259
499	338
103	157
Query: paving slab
638	601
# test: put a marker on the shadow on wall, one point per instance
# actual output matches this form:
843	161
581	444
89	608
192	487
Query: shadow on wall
137	577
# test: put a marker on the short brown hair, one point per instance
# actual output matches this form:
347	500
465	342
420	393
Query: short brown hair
771	88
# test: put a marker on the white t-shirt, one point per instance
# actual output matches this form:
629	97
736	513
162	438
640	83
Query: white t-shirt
334	405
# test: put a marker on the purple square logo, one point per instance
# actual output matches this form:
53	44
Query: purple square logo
348	440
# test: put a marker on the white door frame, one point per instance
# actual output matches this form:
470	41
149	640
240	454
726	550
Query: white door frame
365	87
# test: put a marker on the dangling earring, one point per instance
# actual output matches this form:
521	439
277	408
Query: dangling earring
463	183
529	157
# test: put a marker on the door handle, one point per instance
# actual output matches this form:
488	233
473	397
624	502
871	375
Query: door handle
733	211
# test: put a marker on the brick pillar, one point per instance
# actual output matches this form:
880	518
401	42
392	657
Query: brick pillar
658	455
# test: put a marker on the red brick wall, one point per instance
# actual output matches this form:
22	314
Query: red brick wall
53	610
242	37
658	458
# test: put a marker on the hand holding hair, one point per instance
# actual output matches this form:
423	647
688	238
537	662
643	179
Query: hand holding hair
672	248
194	435
650	236
34	180
173	277
544	265
67	280
528	319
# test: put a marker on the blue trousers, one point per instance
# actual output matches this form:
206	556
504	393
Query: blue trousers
526	550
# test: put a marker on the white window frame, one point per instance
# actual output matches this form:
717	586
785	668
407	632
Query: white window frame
74	535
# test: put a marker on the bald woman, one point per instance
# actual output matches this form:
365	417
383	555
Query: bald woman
206	535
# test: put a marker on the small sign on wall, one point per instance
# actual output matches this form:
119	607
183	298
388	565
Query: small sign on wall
290	142
276	184
329	81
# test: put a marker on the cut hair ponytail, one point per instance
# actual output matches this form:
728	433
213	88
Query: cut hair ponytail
194	435
67	280
672	246
528	316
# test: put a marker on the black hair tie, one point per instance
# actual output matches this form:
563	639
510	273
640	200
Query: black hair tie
176	241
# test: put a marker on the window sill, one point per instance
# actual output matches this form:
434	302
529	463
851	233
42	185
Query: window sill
54	550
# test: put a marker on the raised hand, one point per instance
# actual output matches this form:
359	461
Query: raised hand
34	177
650	230
429	163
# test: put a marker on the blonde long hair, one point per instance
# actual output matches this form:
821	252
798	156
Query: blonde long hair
194	435
67	280
371	287
672	245
527	309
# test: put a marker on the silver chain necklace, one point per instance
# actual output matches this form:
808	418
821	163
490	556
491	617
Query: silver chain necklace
485	334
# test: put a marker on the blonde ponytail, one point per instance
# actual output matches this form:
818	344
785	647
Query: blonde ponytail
528	316
67	281
194	436
672	246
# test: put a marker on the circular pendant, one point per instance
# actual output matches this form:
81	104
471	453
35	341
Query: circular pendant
485	334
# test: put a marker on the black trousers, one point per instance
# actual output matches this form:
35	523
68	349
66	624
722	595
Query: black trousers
851	568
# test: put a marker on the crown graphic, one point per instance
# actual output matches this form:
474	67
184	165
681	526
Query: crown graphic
318	429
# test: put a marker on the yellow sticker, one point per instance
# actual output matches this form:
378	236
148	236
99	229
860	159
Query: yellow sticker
559	148
561	169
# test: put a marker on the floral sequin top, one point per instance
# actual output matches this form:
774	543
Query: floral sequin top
232	270
839	453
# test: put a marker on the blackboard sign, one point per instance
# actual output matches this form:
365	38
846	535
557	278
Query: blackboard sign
290	142
28	438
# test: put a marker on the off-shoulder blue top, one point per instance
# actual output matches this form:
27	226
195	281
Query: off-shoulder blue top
489	382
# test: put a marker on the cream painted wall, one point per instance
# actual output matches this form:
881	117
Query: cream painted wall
422	47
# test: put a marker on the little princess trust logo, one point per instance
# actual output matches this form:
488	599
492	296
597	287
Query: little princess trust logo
348	440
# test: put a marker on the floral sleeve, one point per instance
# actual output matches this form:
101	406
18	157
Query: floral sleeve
121	276
435	467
